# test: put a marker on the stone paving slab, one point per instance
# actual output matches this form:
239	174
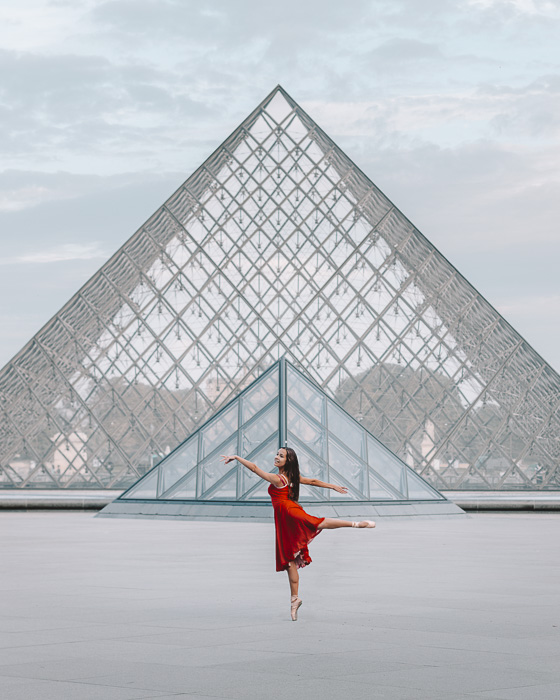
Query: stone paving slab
423	610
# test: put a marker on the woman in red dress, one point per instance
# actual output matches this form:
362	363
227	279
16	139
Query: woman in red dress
294	527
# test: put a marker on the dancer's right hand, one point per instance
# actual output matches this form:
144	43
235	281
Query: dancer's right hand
228	458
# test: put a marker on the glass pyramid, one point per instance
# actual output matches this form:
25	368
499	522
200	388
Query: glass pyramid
278	245
282	406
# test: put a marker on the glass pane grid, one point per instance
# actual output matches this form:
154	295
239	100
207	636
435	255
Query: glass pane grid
168	331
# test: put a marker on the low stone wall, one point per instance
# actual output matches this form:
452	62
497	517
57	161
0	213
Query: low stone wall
505	500
44	499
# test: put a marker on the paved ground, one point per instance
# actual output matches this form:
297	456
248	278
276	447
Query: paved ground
123	609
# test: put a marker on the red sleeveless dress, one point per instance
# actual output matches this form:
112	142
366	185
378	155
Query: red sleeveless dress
294	528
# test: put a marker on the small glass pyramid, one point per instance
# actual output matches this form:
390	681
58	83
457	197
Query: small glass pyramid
281	406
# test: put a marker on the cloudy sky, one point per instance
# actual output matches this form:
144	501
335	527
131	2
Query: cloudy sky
452	107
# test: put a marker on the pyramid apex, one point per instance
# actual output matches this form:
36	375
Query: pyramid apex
278	103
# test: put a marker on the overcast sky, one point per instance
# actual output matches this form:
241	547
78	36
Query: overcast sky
452	107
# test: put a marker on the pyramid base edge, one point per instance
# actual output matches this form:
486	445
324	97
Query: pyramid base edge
249	512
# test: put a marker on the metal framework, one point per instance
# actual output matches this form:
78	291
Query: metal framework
278	245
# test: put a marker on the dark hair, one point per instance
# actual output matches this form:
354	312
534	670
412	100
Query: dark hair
291	469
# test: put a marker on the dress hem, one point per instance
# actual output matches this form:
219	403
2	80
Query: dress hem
301	562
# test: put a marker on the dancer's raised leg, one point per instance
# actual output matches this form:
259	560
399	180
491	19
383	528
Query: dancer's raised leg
333	524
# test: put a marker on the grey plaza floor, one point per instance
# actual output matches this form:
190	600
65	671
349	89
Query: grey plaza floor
437	609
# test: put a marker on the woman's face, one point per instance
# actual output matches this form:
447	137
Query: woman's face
280	459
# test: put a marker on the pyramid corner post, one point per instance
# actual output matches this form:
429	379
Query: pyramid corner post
282	403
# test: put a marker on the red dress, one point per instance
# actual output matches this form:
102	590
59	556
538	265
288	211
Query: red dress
294	528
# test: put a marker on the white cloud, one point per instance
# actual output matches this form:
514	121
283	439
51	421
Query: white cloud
528	112
31	24
63	253
545	8
22	198
545	307
535	318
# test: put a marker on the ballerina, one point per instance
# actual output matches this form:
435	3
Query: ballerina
294	527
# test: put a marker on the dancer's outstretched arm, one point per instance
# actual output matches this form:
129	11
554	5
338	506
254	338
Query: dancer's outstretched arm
274	479
322	484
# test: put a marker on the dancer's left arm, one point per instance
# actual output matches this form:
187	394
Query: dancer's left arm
322	484
274	479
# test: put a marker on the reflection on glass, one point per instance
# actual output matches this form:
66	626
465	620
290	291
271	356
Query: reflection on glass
263	458
311	493
348	466
145	488
186	489
386	464
260	395
346	429
308	433
378	491
307	396
227	490
259	430
215	433
259	493
178	464
212	470
309	465
417	488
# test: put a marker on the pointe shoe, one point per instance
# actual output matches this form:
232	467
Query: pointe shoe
368	523
295	606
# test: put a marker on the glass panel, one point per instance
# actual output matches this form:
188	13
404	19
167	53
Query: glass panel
346	429
260	493
349	467
377	491
334	478
227	490
260	395
212	470
178	464
259	430
187	489
312	493
218	430
305	395
310	434
264	458
309	465
418	488
387	465
146	488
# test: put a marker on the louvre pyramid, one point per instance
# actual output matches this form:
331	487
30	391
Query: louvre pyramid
280	407
278	245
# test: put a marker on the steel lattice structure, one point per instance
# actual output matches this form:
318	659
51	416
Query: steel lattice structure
278	245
